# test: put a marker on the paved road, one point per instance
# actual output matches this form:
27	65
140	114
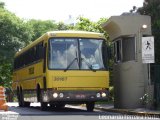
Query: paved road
70	112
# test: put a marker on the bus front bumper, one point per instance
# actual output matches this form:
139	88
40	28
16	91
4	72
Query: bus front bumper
75	96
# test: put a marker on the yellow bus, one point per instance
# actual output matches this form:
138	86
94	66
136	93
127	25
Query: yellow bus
62	67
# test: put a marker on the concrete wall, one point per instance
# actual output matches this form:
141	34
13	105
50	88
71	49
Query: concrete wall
129	83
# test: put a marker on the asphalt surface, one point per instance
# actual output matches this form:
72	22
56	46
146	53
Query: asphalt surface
70	112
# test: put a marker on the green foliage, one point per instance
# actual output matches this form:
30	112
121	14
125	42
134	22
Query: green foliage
14	34
5	74
62	26
111	93
146	99
101	30
2	4
87	25
152	8
40	27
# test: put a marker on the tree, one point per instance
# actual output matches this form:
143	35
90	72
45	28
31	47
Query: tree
62	26
87	25
2	4
152	8
14	34
40	27
84	24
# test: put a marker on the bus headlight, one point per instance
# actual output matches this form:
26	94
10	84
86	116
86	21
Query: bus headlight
55	95
61	95
98	95
103	94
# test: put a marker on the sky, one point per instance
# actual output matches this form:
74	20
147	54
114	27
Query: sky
60	10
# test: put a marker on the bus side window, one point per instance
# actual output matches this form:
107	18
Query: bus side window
41	50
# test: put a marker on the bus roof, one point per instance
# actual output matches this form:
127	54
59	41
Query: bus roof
52	34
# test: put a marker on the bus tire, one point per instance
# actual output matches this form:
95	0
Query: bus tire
40	99
60	106
44	106
26	104
90	106
18	97
21	98
57	106
52	105
38	93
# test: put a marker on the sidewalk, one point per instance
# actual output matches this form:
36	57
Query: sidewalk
138	111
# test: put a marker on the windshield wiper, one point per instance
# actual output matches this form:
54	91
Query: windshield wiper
70	64
89	65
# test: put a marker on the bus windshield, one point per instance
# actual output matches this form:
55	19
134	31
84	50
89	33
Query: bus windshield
75	54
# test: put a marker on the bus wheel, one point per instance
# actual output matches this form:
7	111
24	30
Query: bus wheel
44	106
21	99
52	105
60	106
18	97
38	93
90	106
26	104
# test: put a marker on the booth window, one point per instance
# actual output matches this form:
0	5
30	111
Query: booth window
128	48
124	49
117	51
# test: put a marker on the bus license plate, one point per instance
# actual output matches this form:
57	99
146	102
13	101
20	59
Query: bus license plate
80	96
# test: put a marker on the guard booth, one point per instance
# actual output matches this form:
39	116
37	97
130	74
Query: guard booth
130	75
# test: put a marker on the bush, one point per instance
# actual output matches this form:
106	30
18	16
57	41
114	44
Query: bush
111	93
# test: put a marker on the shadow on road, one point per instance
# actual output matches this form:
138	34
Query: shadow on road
34	111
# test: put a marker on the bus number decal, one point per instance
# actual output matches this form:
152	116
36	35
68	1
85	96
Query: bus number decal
60	78
31	70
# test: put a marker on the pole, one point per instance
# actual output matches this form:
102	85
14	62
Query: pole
149	74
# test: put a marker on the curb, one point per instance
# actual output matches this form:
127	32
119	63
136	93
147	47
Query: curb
129	112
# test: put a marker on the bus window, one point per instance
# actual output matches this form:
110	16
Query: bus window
91	52
62	53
